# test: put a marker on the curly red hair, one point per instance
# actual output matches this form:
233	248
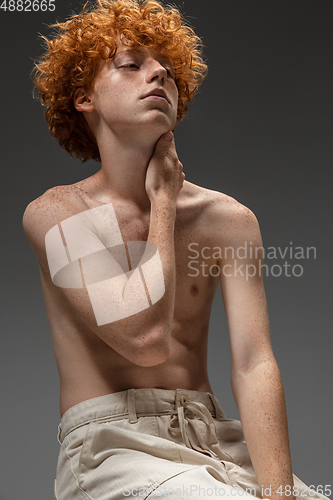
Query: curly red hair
73	57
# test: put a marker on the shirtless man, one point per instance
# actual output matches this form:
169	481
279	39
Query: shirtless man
131	111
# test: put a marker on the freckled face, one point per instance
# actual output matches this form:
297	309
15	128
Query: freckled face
136	89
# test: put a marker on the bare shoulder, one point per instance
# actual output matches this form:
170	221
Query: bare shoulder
52	207
219	206
230	219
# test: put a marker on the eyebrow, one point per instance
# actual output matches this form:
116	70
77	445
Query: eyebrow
126	51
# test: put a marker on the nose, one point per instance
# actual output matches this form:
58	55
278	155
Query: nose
156	72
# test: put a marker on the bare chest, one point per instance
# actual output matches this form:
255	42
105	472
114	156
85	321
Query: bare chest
196	277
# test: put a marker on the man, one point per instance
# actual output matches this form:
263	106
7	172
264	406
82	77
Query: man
129	322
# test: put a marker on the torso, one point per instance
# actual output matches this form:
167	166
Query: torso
88	367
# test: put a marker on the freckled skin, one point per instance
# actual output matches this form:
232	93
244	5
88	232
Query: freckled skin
87	366
170	352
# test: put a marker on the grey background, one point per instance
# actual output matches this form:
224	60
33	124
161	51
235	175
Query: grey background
260	130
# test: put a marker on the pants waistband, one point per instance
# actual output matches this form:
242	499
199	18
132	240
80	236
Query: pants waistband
132	404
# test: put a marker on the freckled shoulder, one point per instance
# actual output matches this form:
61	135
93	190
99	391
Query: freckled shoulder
52	207
218	204
230	220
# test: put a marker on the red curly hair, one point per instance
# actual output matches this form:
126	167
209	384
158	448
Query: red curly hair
73	57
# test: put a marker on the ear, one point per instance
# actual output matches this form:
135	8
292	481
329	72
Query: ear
82	101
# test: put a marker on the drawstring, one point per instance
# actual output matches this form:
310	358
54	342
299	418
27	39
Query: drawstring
201	412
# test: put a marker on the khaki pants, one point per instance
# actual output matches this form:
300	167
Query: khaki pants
150	443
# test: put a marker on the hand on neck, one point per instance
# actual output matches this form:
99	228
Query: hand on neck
125	158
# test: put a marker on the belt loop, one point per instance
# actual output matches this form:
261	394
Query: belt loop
132	416
219	413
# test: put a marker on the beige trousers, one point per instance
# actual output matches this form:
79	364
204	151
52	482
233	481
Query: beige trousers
150	443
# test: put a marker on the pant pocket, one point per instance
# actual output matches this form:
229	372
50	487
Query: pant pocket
86	456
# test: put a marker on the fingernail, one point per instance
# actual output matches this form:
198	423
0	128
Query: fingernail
168	136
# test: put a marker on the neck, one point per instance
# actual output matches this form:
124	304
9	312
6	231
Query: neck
125	158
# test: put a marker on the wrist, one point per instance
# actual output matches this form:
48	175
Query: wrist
163	200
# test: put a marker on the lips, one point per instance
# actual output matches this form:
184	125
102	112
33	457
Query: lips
159	93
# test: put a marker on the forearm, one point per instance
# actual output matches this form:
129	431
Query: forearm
161	233
146	335
260	399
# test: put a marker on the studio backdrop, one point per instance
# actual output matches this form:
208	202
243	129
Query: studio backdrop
259	130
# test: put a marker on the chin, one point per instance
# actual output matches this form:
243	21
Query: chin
159	120
158	129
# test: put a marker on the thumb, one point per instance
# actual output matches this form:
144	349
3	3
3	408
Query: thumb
168	136
163	144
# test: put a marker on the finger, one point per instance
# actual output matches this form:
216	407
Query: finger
163	145
168	136
171	152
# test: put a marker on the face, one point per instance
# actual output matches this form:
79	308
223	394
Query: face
135	88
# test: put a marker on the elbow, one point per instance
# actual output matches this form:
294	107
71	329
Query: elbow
259	372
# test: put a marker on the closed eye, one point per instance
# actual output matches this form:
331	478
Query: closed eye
170	73
131	66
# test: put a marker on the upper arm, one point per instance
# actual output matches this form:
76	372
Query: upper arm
39	216
242	288
70	251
